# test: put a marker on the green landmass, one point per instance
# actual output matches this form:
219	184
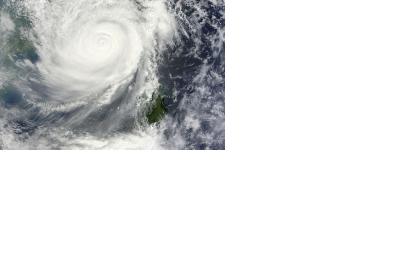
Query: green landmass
18	44
22	48
157	111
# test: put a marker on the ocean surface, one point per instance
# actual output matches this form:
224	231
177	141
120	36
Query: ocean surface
112	74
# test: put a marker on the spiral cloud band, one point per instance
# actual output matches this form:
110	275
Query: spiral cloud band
95	44
91	74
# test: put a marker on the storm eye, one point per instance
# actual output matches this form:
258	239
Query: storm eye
103	73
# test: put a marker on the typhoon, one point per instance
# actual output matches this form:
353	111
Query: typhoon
112	74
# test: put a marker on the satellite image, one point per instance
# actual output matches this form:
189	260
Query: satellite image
112	74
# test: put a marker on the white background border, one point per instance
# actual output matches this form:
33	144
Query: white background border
313	185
